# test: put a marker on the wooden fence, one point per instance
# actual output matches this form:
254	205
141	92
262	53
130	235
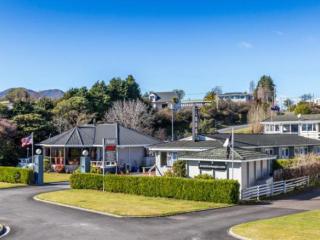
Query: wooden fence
275	188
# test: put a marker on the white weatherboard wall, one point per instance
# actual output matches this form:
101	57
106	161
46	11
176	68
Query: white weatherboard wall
237	174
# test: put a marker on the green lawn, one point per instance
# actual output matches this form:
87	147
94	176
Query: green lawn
11	185
299	226
126	204
56	177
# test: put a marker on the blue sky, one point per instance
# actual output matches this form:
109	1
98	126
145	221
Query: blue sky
190	45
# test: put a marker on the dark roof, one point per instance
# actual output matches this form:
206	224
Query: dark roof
221	154
165	96
89	135
187	144
292	117
266	140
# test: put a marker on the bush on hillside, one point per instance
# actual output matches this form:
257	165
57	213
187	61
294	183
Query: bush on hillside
16	175
215	190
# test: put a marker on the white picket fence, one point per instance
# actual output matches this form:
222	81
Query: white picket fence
275	188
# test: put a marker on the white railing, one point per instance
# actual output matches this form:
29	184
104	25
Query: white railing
275	188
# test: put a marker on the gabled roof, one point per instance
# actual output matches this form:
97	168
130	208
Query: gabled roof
293	118
267	140
165	96
222	154
92	135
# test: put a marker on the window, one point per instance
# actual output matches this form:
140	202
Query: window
284	152
294	128
269	151
309	127
286	128
276	128
163	159
301	150
171	158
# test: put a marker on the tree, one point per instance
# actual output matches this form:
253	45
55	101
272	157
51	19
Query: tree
119	89
72	112
180	93
306	97
21	107
99	99
33	123
288	103
8	147
303	108
76	92
133	89
265	90
18	94
210	96
132	114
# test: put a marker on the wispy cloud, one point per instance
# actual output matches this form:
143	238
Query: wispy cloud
279	33
245	44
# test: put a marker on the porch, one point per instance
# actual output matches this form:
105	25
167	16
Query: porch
67	159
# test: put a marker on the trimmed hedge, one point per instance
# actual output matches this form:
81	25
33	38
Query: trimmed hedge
216	190
16	175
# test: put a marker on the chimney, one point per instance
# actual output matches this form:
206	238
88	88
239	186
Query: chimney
195	123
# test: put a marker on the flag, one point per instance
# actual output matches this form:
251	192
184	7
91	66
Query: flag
26	141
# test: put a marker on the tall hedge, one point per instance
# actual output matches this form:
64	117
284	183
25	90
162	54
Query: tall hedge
216	190
16	175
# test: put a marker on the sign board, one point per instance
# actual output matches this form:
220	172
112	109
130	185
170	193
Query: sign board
219	166
110	148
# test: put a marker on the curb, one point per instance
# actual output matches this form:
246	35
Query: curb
6	232
236	236
77	208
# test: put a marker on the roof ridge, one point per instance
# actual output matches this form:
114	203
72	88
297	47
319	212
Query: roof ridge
77	131
70	135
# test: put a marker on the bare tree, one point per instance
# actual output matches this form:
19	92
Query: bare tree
132	114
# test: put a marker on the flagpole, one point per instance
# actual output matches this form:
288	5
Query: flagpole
32	148
232	150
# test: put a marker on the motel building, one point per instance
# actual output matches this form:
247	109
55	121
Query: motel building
208	156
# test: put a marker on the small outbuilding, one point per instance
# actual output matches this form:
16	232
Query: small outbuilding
245	166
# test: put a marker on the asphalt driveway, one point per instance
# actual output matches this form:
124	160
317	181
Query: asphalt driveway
31	220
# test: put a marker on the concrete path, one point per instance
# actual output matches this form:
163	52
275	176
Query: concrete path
31	220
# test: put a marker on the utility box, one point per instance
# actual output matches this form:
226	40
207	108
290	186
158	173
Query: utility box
38	169
85	164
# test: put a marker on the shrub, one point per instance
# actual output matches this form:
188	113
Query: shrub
97	170
46	165
215	190
168	173
283	163
179	168
16	175
204	176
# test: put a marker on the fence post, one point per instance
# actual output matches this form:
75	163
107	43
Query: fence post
258	193
284	187
308	180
